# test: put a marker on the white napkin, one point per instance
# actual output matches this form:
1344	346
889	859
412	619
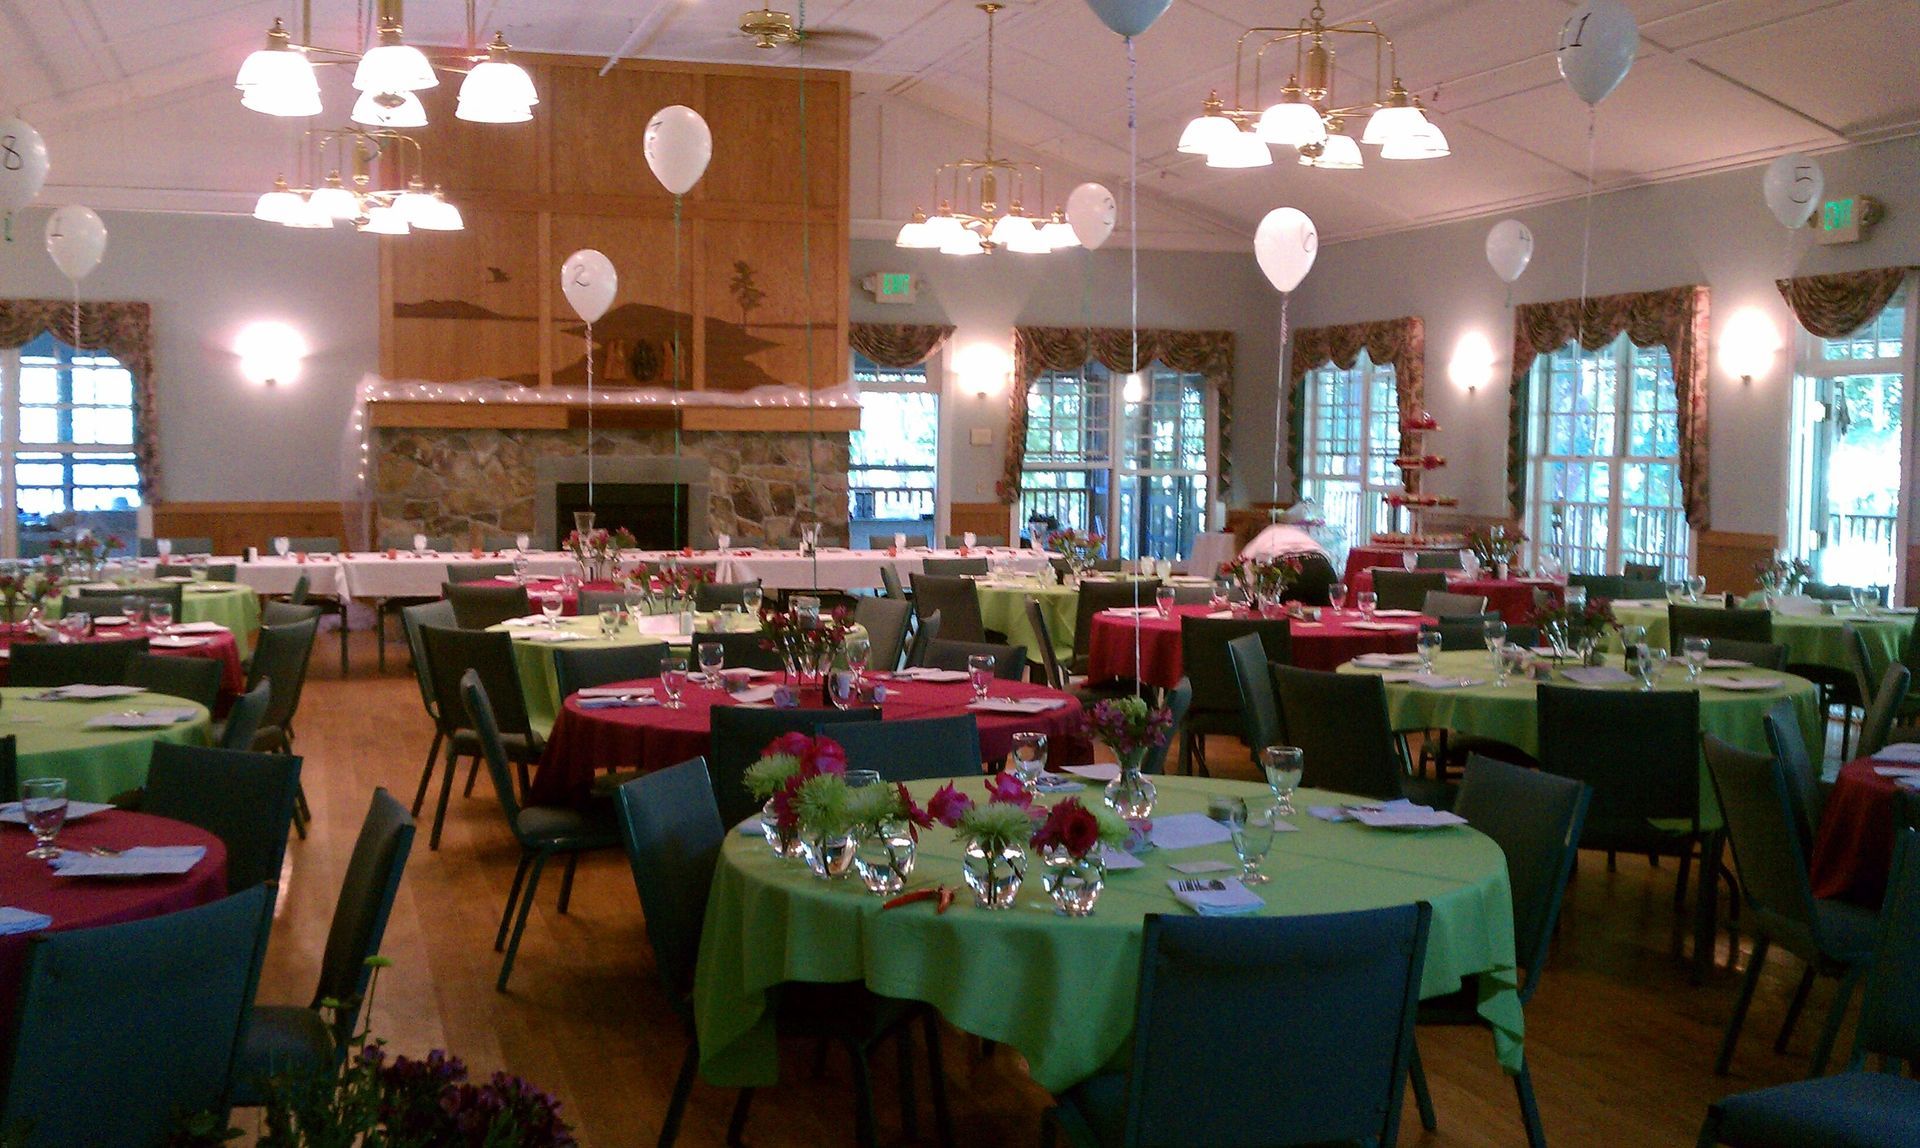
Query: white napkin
750	827
136	862
1057	783
1119	859
1389	627
14	920
109	620
1016	705
177	641
1428	681
1132	611
1222	614
1397	614
196	628
528	620
175	578
12	814
1598	675
1385	661
925	674
1798	606
1908	751
616	703
81	691
554	636
1098	771
753	694
1745	682
1404	814
1215	896
1727	664
1188	831
1897	770
614	692
142	719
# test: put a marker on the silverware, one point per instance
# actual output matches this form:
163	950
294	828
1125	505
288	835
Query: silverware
1202	885
103	851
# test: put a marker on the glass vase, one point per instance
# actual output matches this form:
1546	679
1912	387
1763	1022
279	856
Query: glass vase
1131	794
1074	883
884	858
828	855
783	842
994	871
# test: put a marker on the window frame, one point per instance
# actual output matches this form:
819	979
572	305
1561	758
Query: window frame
14	361
932	372
1372	515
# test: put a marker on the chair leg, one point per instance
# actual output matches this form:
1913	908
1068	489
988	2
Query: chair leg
473	774
909	1103
1793	1010
302	813
937	1080
1417	1075
1709	1130
380	632
737	1123
1680	882
345	669
863	1134
1831	1029
566	881
1529	1111
446	795
1706	919
1186	753
682	1089
1739	1018
520	922
426	773
513	898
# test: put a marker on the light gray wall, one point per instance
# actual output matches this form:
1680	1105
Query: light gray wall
1713	230
221	437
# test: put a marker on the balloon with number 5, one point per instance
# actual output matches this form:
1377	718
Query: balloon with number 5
76	239
589	282
1091	212
678	145
1509	249
1597	46
1285	244
1793	186
23	164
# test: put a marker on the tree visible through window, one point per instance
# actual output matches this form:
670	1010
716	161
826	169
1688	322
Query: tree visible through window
67	429
1352	438
894	457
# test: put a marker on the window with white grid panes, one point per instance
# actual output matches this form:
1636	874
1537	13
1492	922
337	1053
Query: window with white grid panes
67	431
1068	471
1164	475
894	458
1604	460
1352	438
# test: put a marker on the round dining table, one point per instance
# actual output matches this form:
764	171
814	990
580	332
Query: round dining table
1514	599
54	739
1853	849
218	646
1058	989
1338	636
533	646
84	903
231	604
1810	639
586	740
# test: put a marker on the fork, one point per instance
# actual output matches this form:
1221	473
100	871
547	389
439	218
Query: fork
1202	885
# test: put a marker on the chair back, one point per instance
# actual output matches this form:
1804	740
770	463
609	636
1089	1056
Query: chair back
298	595
957	601
743	649
451	653
245	799
106	603
1714	622
1463	633
885	620
577	669
1407	589
1859	661
739	736
708	597
1009	662
1789	744
1311	587
280	655
319	544
149	547
1536	819
1179	700
1910	649
413	619
1105	594
243	720
478	605
1657	776
1752	789
912	540
912	749
1207	664
1641	571
890	579
1253	681
64	664
1832	592
287	613
360	915
9	768
1340	723
170	999
1324	1002
590	602
1877	726
1438	560
961	566
1054	676
1889	1009
216	571
475	703
673	833
1444	604
1600	586
195	679
463	572
924	633
1762	655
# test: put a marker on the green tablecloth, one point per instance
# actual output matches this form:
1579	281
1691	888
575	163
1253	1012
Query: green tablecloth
1003	607
97	763
1061	990
1812	641
229	603
534	660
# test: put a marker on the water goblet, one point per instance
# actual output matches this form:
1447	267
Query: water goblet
1282	764
979	673
751	599
1643	664
550	604
1658	656
1696	587
1695	650
673	679
281	544
1222	594
1494	634
730	617
861	778
1502	661
1863	598
1163	601
1575	597
1252	830
1409	560
1368	602
163	547
199	568
858	650
843	689
43	801
713	657
1429	646
134	607
521	541
1029	757
419	544
1337	595
1676	592
611	618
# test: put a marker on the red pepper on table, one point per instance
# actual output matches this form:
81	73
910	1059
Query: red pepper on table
946	901
927	894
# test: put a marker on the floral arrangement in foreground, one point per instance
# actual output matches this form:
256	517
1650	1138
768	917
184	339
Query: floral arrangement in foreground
33	585
1588	621
1130	727
1004	819
1782	573
1498	543
1075	830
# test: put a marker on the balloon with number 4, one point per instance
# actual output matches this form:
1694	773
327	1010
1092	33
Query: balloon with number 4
1793	186
678	145
76	239
1285	244
1509	249
1128	17
23	164
588	281
1597	46
1091	213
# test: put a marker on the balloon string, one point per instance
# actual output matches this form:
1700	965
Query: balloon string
589	414
680	537
806	280
1285	297
1133	255
1586	233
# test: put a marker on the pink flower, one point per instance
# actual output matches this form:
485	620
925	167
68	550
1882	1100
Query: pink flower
824	755
1068	826
1008	790
947	805
917	818
794	745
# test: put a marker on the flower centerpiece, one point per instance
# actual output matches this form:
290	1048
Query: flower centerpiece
1070	841
34	585
1081	548
598	551
995	832
1784	575
1496	547
1576	629
1130	728
787	763
806	644
674	582
1265	581
84	552
886	829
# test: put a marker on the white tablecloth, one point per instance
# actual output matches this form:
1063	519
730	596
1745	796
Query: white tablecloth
420	576
274	575
853	569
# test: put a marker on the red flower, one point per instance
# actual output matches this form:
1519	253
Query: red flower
917	818
947	805
795	745
824	755
1068	826
1009	790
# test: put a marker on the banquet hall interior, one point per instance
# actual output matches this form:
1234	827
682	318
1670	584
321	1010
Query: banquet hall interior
935	572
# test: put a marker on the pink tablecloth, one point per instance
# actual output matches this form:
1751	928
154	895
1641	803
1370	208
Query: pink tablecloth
584	742
1853	852
218	646
1316	645
1512	598
83	903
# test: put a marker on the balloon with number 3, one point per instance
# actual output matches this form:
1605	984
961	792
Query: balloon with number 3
1596	48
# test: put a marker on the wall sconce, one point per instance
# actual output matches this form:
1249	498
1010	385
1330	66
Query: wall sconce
1472	362
270	352
983	368
1748	344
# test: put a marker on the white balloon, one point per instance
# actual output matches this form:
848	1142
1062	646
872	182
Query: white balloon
1128	17
589	282
76	239
1509	249
23	164
1793	186
1091	212
1597	46
678	146
1285	245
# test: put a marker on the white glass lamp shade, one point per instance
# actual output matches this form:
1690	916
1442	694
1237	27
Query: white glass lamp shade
308	216
1391	123
917	234
1240	150
279	82
379	110
1057	234
1029	241
1338	153
1291	123
439	215
1011	230
384	221
276	206
1427	143
334	200
394	68
959	239
944	231
414	205
1205	134
497	92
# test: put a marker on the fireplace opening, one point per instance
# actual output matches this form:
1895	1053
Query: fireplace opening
655	512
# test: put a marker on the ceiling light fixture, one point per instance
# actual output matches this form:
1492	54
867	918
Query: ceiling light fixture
1307	115
972	218
382	194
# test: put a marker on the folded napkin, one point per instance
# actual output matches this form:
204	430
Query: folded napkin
1428	681
196	628
1098	771
14	920
1897	770
614	692
12	814
1017	705
616	703
208	587
1798	606
1900	751
158	718
1119	859
1727	664
1132	611
174	578
1222	614
1057	783
1752	682
554	636
1188	831
136	862
755	694
1385	661
1397	628
177	641
109	620
528	620
1215	896
1598	675
924	674
750	827
81	691
1397	614
1404	814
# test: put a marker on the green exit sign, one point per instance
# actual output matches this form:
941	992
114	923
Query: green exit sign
1845	220
891	286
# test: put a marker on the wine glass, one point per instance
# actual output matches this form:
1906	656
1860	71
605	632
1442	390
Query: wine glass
43	801
1282	765
1337	595
419	544
673	679
520	542
610	618
1222	594
134	607
1163	601
1575	597
1695	650
1368	602
520	566
858	650
751	599
1503	660
1864	599
164	548
281	544
159	615
1408	559
1252	830
1494	633
1696	586
1429	646
713	657
1643	665
1029	757
550	604
843	689
979	673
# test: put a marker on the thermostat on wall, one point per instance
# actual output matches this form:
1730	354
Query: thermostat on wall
891	286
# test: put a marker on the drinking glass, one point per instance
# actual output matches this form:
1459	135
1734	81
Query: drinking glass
1429	646
419	544
1282	765
1676	592
281	544
520	542
1575	597
550	603
1494	633
1695	650
1863	598
610	618
198	568
1502	661
163	547
730	615
859	778
713	656
1337	595
520	565
843	688
1252	829
43	801
858	651
1367	601
751	599
134	607
673	679
1659	656
1643	665
159	615
1408	559
1029	757
722	541
967	539
1222	594
1696	586
1163	601
980	673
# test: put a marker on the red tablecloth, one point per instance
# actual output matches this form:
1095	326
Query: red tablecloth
584	742
1360	559
1511	597
569	601
220	646
1853	851
1316	646
83	903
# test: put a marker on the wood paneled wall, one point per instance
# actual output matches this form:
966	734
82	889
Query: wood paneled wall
234	526
987	518
1728	558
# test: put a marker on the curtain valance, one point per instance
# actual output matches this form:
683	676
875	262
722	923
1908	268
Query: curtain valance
1835	306
123	330
897	345
1400	342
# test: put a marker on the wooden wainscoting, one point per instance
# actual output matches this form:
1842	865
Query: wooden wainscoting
988	518
234	526
1727	558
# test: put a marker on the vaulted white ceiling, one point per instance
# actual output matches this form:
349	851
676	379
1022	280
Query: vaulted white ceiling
136	98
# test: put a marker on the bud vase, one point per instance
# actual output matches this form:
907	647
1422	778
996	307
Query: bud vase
884	858
783	842
994	871
1131	794
828	855
1074	883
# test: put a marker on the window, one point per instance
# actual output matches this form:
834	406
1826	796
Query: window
1603	452
1150	496
67	429
1352	440
893	459
1846	457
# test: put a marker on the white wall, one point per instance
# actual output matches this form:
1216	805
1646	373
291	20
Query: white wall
221	437
1713	230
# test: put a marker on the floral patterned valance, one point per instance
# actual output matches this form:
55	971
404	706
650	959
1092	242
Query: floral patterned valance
897	345
1675	318
1401	342
1835	306
1122	351
124	330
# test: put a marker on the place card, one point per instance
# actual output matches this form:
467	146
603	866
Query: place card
1118	860
1188	831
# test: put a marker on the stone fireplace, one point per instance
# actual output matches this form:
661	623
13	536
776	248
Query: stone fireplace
662	501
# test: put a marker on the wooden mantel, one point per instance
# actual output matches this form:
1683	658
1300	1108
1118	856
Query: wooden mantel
415	414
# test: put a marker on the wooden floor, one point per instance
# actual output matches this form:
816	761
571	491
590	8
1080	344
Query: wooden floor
1620	1044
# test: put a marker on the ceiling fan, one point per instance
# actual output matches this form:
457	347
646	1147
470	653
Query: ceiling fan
770	28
